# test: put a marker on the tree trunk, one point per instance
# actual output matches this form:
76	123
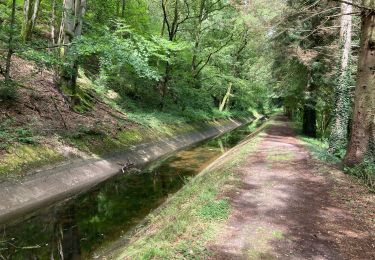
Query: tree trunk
339	133
123	6
226	98
309	119
163	85
362	137
8	62
172	26
71	27
30	12
197	41
53	23
163	28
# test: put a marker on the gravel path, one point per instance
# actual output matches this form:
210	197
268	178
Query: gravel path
291	206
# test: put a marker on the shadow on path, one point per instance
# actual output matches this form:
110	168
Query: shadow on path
284	208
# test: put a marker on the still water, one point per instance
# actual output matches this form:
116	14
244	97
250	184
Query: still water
77	227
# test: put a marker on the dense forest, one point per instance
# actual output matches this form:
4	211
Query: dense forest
192	60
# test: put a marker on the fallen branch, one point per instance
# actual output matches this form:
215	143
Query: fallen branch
58	111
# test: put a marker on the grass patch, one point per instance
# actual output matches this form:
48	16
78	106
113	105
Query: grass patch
215	210
191	218
98	143
101	143
11	135
22	158
364	171
319	149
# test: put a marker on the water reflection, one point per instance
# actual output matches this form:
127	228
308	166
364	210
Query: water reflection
75	228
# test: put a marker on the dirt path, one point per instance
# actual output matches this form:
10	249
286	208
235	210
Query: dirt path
291	206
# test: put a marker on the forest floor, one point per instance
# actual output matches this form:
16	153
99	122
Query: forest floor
291	206
268	198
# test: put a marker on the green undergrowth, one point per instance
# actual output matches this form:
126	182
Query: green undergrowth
10	134
21	150
319	149
100	144
146	124
190	219
364	171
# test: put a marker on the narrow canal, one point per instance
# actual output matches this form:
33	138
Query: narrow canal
75	228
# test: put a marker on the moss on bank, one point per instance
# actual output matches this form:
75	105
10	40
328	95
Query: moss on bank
26	157
97	143
191	218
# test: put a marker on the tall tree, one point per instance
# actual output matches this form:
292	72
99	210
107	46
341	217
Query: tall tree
339	132
123	8
175	13
30	13
308	37
362	139
71	28
10	53
203	10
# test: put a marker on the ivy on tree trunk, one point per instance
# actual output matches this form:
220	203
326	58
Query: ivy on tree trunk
361	145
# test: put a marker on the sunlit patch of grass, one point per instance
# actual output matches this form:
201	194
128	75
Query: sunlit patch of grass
255	254
218	209
21	158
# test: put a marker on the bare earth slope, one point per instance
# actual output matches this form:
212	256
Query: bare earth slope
291	206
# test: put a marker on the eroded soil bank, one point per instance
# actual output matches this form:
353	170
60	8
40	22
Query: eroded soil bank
265	199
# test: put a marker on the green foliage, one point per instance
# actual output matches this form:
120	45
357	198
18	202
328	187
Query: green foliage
25	136
126	52
319	149
133	51
365	171
11	135
8	90
215	210
306	66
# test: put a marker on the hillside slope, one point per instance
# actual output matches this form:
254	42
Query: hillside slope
39	127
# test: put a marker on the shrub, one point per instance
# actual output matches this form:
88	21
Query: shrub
7	91
365	171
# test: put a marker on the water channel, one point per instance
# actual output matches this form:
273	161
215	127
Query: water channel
75	228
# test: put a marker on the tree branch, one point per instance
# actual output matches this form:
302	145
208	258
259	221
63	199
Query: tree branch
204	64
355	5
166	16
